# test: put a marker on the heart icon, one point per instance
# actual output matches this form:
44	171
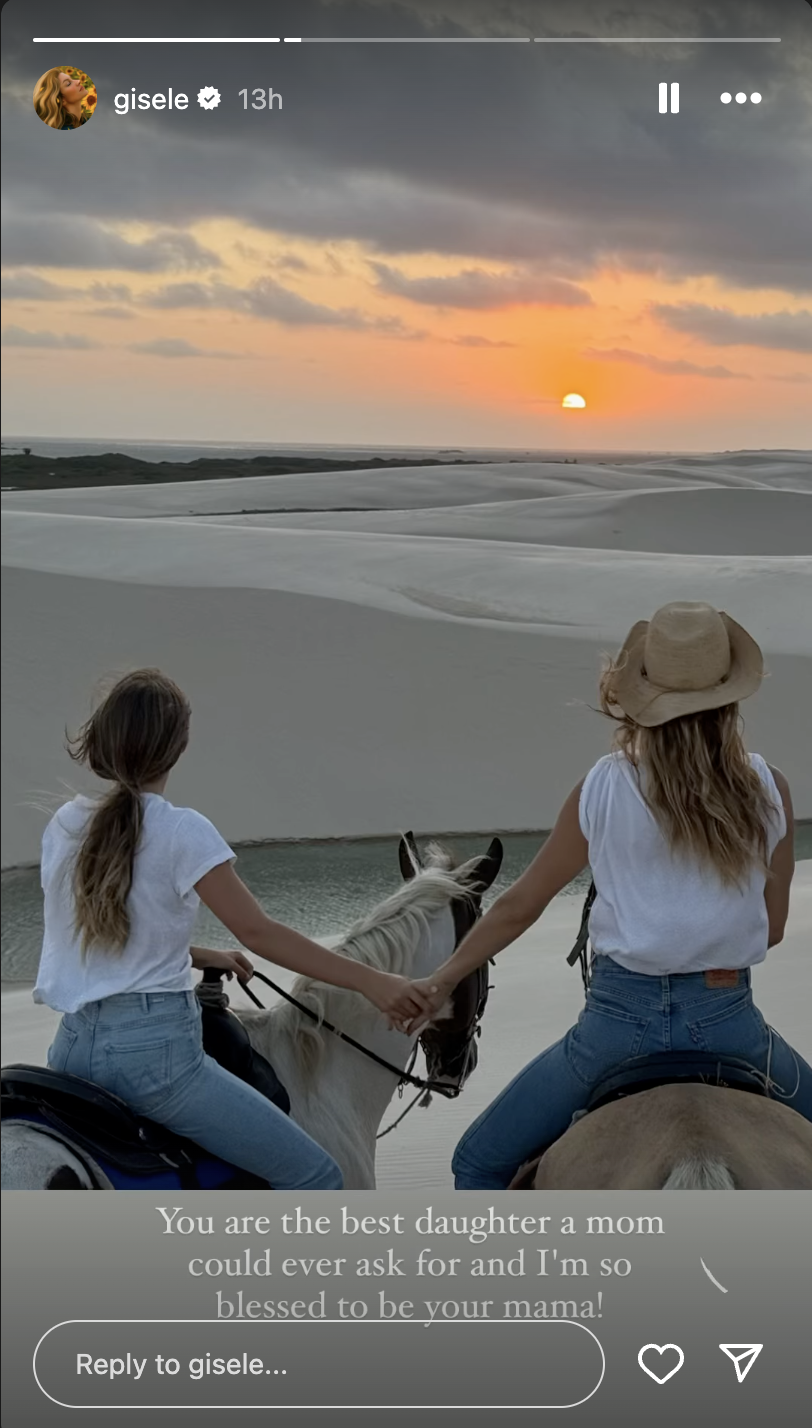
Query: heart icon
660	1349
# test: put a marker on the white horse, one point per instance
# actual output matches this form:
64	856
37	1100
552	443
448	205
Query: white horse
338	1095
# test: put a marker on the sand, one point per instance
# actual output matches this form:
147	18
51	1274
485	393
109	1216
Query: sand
423	653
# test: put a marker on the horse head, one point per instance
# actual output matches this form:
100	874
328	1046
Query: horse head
450	1043
411	933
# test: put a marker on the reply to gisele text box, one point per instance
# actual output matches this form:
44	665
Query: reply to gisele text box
318	1363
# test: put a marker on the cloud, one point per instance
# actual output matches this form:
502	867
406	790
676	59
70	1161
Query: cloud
269	301
45	242
177	347
25	286
174	295
472	339
664	366
22	337
31	287
474	288
791	377
720	327
264	298
120	314
551	155
109	292
291	262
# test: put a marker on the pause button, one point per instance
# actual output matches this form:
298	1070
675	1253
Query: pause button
664	88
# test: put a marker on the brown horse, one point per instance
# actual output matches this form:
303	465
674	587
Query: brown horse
679	1137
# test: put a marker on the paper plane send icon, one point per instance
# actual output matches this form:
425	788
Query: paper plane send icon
742	1356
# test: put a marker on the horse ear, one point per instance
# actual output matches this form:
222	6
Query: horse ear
408	857
489	865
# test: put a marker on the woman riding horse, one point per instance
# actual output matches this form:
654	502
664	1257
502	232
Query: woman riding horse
123	877
690	842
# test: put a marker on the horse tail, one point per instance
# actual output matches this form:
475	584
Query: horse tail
700	1172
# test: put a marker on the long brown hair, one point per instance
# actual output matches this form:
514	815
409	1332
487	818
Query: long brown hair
48	99
700	785
134	738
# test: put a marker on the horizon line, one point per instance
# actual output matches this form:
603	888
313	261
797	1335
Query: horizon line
444	448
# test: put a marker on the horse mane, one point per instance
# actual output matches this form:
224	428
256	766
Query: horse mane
384	939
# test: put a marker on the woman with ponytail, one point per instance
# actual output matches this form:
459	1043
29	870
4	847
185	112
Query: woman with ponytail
123	877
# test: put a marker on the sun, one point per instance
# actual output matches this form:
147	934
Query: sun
573	402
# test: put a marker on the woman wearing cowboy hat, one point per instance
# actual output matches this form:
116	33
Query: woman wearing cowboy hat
690	842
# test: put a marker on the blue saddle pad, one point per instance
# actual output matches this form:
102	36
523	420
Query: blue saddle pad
134	1153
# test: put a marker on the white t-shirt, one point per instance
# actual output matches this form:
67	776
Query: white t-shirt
657	911
176	849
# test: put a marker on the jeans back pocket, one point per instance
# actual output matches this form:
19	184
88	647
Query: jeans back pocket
139	1074
605	1036
736	1028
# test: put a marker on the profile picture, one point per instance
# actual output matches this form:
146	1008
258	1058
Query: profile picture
65	98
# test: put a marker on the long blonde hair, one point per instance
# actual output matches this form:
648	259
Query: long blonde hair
48	99
700	785
133	739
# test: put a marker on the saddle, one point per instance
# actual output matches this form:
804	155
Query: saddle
643	1073
226	1041
128	1151
117	1146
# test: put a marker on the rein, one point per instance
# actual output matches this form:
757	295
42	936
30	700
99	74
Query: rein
443	1088
465	1060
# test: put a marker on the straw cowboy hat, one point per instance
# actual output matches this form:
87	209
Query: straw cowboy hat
686	658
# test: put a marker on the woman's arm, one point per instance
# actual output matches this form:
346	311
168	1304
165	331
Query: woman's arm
563	856
229	899
782	868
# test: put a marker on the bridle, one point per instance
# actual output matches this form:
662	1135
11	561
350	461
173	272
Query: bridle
466	910
579	952
443	1088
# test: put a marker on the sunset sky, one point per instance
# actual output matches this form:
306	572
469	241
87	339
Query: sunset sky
429	245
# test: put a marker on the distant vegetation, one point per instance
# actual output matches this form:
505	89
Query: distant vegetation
49	473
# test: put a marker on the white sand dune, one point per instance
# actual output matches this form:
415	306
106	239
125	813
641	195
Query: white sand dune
692	521
429	663
422	487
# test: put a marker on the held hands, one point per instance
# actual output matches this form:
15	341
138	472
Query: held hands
435	993
401	1001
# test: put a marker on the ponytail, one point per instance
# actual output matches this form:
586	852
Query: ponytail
133	740
104	871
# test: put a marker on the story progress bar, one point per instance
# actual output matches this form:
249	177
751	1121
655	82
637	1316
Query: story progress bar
407	40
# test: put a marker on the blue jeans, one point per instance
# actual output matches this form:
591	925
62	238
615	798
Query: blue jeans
147	1048
626	1014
